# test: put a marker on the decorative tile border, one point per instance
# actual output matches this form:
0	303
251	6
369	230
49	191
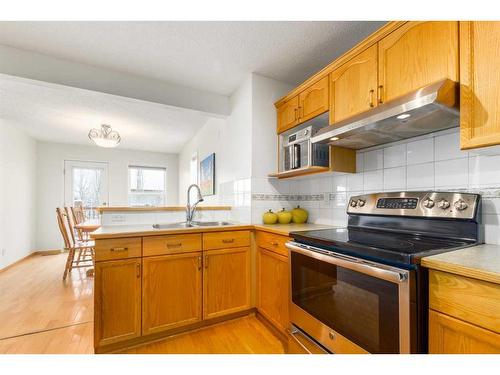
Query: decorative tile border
488	193
288	197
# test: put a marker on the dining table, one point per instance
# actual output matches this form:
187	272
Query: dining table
88	226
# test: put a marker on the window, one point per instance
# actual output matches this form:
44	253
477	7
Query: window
147	186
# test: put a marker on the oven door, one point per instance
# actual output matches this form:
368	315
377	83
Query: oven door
347	304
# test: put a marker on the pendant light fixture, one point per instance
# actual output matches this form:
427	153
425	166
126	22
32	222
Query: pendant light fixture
105	137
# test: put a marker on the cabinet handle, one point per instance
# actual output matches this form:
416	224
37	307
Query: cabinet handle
119	248
301	114
231	240
295	112
380	91
199	263
371	103
138	270
206	261
274	243
174	244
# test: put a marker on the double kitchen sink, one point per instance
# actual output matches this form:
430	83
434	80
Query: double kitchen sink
192	224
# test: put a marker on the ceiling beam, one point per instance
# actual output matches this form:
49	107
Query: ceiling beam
32	65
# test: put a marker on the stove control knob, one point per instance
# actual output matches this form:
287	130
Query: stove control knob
461	205
353	203
428	203
361	202
443	204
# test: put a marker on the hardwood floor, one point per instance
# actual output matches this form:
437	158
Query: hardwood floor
245	335
40	313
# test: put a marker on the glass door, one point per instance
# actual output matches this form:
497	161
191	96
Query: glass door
363	308
86	185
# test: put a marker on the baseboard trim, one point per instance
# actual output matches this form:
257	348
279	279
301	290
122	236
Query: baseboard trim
16	262
49	252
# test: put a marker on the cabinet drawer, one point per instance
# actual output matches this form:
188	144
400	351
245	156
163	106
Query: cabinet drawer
118	248
272	242
171	244
471	300
224	240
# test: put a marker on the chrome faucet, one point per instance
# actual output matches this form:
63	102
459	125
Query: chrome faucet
191	209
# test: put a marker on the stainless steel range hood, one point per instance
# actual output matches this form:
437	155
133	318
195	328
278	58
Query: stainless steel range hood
429	109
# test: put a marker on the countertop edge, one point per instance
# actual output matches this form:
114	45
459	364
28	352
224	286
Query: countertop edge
282	231
162	208
455	267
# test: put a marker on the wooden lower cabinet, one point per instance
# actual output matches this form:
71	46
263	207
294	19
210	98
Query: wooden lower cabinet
171	291
226	281
448	335
273	288
117	309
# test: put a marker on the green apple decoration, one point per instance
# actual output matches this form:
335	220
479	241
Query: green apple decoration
299	215
284	217
270	217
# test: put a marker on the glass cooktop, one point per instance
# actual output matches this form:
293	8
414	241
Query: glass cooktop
379	245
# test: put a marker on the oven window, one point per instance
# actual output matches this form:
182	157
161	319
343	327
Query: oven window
362	308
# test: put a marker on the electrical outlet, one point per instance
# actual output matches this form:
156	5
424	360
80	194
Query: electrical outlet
4	251
118	218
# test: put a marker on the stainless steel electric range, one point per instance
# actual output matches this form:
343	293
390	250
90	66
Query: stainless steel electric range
361	288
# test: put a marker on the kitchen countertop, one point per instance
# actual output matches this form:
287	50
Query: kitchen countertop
479	262
120	231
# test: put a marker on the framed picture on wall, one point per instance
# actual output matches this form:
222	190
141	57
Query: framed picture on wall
207	175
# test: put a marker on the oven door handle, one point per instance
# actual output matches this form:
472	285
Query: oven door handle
391	274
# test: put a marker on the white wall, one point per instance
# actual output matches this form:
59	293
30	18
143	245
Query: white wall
265	92
245	145
231	141
50	178
17	194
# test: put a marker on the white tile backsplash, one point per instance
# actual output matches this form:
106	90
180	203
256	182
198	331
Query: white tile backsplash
373	180
452	173
395	156
484	170
395	179
420	176
448	147
421	151
373	160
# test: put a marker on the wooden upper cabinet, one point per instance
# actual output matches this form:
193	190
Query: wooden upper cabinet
288	115
226	281
313	101
353	86
415	55
117	310
479	80
171	291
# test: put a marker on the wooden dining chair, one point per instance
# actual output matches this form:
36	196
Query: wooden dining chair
76	216
83	251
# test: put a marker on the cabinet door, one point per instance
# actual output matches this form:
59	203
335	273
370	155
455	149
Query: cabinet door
273	288
353	86
288	116
117	301
313	101
448	335
171	291
415	55
226	281
480	80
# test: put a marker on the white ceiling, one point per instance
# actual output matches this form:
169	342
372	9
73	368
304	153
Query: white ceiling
211	56
64	114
